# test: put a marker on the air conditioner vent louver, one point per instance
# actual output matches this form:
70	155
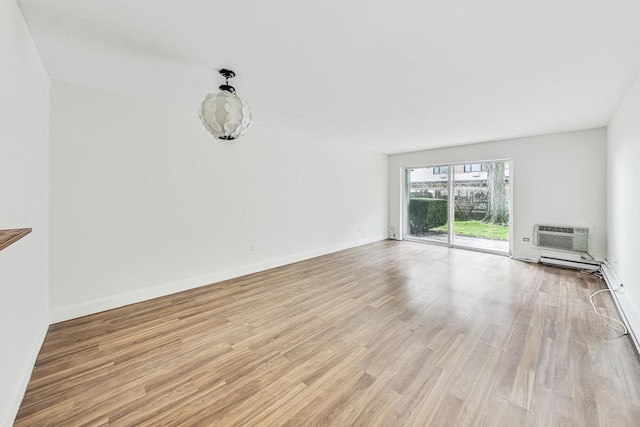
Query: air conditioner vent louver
569	230
565	238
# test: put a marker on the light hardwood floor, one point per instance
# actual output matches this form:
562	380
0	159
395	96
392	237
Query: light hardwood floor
392	333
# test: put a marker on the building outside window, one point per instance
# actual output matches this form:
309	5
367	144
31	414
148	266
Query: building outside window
440	170
474	167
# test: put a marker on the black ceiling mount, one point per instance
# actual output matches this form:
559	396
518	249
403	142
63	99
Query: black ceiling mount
227	74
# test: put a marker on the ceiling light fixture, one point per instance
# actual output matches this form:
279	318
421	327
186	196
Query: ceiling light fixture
224	114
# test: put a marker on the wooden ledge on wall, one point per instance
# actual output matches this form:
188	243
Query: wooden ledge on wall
7	237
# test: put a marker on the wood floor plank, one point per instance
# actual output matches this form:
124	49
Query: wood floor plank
387	334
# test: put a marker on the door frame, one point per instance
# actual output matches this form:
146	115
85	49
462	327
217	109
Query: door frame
451	207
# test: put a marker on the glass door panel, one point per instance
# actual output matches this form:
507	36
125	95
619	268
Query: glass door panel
428	207
481	205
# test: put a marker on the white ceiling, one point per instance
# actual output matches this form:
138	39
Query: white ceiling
394	76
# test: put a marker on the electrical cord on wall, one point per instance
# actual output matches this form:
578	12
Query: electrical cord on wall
624	330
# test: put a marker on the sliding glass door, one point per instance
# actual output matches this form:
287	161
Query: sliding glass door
428	208
481	206
462	205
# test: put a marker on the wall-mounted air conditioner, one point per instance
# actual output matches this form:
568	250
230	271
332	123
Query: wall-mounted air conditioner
564	238
570	244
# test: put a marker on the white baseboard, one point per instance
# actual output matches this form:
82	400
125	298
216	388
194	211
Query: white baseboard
8	418
629	315
115	301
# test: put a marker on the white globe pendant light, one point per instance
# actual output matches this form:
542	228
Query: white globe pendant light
224	114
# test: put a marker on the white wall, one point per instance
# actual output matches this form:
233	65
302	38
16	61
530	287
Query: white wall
145	202
557	179
623	200
24	200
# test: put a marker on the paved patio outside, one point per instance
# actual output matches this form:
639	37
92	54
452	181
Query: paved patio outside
473	242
